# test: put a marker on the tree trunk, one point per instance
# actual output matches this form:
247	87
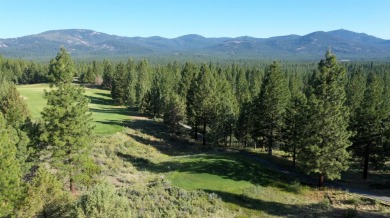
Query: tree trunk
366	160
230	140
196	132
72	186
294	155
270	144
226	140
320	180
204	132
270	147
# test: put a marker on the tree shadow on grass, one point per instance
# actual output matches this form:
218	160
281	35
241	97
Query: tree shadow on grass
227	166
121	123
99	101
290	210
169	142
120	111
108	95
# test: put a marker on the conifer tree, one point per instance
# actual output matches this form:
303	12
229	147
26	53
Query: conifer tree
17	116
226	110
153	102
61	68
293	131
371	125
142	85
66	127
270	107
187	75
12	105
88	76
10	171
131	79
242	88
108	75
204	98
355	91
244	124
119	85
174	112
326	136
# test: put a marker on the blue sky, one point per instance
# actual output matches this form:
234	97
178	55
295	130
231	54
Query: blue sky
210	18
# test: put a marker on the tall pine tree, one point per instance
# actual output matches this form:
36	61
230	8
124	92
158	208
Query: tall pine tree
119	87
326	135
270	107
10	176
204	88
371	125
293	131
66	126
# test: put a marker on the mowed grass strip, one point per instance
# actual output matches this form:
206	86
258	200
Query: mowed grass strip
107	117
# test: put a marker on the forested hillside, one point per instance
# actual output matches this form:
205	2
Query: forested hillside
325	117
89	44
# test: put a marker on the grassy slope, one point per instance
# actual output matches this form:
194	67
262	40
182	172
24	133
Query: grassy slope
107	118
134	157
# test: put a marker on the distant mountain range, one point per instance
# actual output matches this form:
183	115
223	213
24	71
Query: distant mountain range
91	44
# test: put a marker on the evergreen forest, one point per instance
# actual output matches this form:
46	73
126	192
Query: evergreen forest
140	138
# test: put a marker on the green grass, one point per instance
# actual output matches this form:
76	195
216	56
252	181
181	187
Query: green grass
107	118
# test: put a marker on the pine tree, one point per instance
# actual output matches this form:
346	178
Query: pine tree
119	85
89	76
293	131
108	75
355	92
142	85
371	125
17	116
10	176
175	111
12	105
244	124
66	126
153	102
242	88
204	98
187	75
270	107
226	111
131	79
326	136
61	68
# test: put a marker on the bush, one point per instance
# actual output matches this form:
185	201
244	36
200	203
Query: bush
46	197
102	201
159	198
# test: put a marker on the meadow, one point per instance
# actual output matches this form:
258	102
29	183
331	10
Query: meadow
165	174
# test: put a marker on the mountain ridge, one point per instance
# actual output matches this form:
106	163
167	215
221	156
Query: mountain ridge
84	43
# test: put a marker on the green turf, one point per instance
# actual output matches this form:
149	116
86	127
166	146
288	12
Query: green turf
107	118
243	185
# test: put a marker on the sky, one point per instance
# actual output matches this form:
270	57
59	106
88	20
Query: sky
209	18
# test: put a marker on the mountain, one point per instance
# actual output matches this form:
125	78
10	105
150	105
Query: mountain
91	44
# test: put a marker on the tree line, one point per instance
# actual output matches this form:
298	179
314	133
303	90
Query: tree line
325	115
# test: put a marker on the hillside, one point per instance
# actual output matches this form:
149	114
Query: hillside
84	44
166	175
